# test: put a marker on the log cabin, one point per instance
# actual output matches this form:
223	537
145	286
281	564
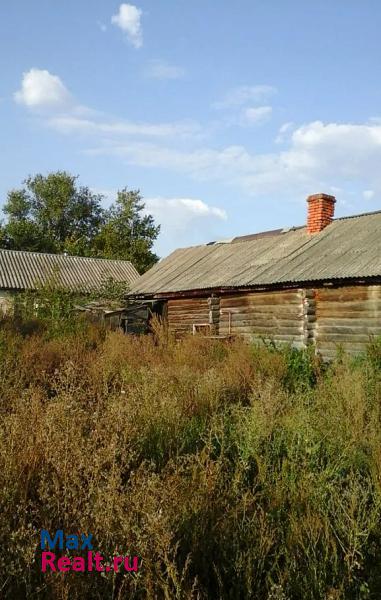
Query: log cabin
318	284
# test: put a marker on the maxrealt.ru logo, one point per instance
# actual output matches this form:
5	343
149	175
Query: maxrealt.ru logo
89	562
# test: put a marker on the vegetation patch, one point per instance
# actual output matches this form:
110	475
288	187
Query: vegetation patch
232	471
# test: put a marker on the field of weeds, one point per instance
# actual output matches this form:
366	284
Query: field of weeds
232	471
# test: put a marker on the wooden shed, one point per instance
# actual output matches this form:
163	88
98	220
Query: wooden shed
317	284
21	271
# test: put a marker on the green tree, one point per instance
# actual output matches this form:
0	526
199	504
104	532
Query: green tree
3	237
53	214
129	233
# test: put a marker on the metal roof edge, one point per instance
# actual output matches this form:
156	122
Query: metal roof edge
61	255
259	287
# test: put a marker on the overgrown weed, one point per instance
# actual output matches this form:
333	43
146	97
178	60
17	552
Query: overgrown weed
233	471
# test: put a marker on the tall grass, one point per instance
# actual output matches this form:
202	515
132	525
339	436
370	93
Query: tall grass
233	471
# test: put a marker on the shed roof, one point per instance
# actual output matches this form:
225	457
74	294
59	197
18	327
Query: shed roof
348	248
26	270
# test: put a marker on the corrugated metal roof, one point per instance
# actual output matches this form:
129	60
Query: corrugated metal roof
348	248
27	270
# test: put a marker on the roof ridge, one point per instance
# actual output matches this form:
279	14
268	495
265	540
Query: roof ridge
265	234
366	214
248	237
64	255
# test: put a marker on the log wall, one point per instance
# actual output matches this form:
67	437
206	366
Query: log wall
214	315
347	316
277	315
183	313
323	317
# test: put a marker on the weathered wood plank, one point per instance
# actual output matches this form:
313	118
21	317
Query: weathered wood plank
341	325
279	338
346	345
290	331
296	310
347	317
252	301
324	308
346	293
253	319
338	339
351	316
182	314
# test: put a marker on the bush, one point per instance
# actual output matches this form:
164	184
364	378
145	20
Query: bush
233	471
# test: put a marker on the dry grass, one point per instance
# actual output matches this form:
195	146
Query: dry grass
232	471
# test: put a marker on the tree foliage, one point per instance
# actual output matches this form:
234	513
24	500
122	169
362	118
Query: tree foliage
55	214
128	231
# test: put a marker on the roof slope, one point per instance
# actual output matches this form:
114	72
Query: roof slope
27	270
348	248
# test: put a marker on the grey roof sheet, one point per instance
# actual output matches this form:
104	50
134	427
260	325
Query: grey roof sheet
349	247
26	270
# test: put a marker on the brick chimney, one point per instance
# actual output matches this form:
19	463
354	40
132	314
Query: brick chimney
321	208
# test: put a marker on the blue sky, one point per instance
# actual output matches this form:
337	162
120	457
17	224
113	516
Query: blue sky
225	115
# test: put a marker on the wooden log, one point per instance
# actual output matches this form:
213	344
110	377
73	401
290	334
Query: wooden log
310	294
296	343
354	328
311	318
265	296
275	339
341	338
270	329
326	309
293	335
344	293
188	307
189	316
368	321
349	317
350	302
257	301
290	332
332	346
213	301
296	310
259	320
262	294
309	302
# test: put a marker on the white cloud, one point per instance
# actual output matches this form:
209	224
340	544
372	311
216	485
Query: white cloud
181	210
315	156
257	115
69	124
245	94
41	89
283	131
318	156
128	20
60	111
184	218
159	69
